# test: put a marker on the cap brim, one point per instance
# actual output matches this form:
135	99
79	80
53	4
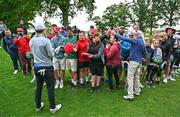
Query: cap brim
174	30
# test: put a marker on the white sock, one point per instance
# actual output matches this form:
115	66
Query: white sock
61	81
87	79
75	82
81	81
57	81
72	80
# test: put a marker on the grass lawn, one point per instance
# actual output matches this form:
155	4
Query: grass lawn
17	98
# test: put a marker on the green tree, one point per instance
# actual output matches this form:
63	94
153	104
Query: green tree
147	13
66	8
12	11
138	13
153	14
170	12
113	16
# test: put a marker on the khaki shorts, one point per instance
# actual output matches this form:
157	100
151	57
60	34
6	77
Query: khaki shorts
59	63
71	64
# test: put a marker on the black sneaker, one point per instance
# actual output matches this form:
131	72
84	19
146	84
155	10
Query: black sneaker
87	83
151	85
71	84
74	87
97	89
158	82
92	90
82	85
118	87
148	85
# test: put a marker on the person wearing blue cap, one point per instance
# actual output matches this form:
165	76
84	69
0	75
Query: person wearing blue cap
43	53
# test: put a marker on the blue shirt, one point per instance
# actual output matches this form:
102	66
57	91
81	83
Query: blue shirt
63	33
138	49
56	42
125	48
8	45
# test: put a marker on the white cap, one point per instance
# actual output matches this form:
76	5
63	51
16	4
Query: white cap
40	26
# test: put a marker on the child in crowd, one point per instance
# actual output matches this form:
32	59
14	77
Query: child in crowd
96	61
154	61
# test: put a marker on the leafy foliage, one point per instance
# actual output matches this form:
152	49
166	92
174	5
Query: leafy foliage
170	12
66	8
12	11
113	16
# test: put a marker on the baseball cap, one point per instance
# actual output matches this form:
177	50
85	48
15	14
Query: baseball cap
56	29
20	30
40	26
107	28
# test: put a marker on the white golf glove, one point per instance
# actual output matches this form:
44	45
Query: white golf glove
42	72
57	49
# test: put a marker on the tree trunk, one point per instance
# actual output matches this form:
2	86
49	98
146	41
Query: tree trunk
65	13
151	24
65	18
170	21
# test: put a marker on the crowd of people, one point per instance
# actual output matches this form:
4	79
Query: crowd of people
92	58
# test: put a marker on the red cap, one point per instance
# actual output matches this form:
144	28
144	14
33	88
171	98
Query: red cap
56	29
68	48
93	31
20	30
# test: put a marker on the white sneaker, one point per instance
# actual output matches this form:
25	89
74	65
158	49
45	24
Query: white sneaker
61	85
15	71
172	79
58	107
33	80
169	77
56	85
141	85
165	80
40	108
137	94
127	97
176	72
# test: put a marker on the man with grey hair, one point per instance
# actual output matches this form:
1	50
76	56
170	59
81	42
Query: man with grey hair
43	53
137	52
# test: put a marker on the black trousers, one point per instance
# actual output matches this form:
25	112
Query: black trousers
48	77
151	71
113	70
177	57
15	59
